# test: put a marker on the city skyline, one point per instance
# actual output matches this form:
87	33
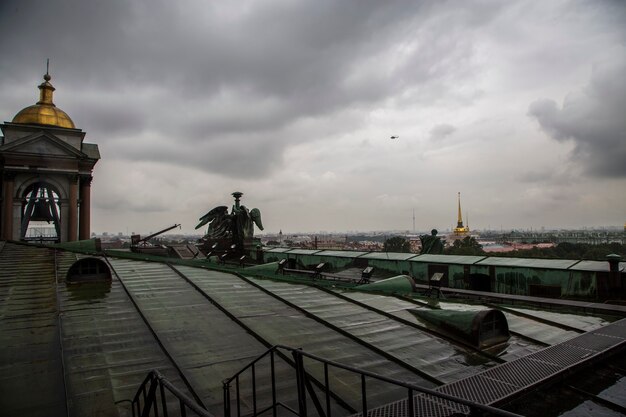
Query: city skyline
295	104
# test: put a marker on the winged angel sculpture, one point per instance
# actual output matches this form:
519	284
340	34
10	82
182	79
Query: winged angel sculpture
238	226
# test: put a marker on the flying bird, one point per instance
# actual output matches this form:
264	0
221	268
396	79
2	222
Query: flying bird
395	137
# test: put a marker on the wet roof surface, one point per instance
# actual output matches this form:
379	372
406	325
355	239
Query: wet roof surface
303	251
530	263
341	253
94	343
278	250
595	266
448	259
391	256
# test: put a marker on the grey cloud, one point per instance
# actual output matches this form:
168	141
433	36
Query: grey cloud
441	131
536	176
226	90
234	156
113	120
310	59
593	119
114	203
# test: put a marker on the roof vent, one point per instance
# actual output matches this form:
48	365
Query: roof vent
88	270
483	329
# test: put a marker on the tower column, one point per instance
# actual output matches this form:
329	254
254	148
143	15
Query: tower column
8	188
84	231
72	225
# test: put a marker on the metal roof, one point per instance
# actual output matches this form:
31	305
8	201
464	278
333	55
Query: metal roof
448	259
277	250
438	359
594	266
278	322
94	344
341	253
391	256
303	251
528	263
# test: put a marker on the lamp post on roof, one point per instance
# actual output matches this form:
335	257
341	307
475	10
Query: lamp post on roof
237	195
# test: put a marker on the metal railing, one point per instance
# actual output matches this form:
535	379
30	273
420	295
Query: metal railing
303	387
152	397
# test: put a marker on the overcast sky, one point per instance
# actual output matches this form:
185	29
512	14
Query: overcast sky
519	105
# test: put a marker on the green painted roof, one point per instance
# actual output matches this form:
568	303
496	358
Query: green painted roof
593	266
303	251
79	245
277	250
402	284
448	259
94	344
391	256
528	263
341	253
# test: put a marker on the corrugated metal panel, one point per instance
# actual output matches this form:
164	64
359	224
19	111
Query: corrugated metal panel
277	250
495	385
341	253
31	371
593	266
534	368
433	356
392	256
107	348
303	251
205	342
538	331
528	263
280	324
526	326
515	348
448	259
583	322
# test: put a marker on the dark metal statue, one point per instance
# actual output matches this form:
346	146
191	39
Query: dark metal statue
220	223
432	243
236	228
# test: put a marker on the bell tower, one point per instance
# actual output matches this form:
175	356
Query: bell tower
46	171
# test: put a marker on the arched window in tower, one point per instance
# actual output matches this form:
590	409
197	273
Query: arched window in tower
40	214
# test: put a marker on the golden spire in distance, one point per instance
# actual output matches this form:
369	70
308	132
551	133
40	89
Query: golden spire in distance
460	230
459	222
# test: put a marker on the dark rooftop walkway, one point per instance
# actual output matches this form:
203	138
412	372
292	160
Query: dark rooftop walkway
499	384
31	369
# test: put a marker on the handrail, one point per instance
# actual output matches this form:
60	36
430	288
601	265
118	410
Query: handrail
301	380
146	401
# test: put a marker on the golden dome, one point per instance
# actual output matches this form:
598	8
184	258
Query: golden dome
44	112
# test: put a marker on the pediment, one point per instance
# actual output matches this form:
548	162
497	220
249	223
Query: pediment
42	144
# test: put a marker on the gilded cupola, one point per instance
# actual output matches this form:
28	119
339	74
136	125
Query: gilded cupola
44	112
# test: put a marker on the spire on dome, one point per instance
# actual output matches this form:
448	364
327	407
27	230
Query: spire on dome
45	112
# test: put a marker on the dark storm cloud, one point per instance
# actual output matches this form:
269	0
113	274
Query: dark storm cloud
593	119
165	67
234	156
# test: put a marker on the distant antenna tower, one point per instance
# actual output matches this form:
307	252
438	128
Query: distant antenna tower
413	221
